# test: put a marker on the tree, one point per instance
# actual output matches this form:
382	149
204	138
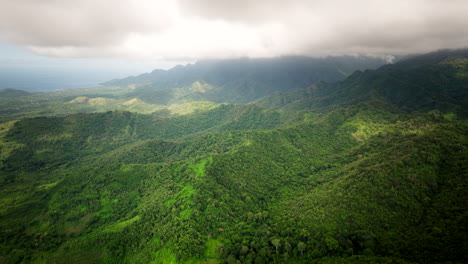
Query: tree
301	247
276	243
244	250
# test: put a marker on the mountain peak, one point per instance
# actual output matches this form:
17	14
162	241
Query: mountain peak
242	80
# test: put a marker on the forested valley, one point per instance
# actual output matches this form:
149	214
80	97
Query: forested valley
372	168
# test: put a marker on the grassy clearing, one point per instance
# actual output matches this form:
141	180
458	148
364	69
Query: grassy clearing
47	186
118	227
199	167
192	107
212	251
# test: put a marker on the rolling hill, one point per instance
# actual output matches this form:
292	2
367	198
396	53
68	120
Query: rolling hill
370	169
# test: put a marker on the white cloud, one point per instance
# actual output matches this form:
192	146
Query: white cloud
192	29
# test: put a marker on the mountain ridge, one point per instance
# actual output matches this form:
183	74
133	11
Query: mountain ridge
434	80
243	80
359	171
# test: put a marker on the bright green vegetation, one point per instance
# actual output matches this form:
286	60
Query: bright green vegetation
323	175
118	227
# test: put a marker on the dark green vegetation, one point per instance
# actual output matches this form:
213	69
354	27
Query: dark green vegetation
240	80
372	169
186	89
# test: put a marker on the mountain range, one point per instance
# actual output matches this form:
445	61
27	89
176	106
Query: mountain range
241	80
287	160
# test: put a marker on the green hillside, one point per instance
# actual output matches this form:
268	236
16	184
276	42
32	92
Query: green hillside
240	80
372	169
185	89
432	81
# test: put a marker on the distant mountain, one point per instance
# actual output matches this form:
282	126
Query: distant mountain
437	80
240	80
371	169
12	93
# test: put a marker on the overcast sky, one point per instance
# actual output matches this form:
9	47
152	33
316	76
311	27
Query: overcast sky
169	31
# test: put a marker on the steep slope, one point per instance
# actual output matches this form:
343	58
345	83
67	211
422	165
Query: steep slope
370	175
362	180
432	81
237	80
240	80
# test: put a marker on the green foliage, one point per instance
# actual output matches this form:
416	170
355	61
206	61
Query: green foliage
363	180
239	80
432	82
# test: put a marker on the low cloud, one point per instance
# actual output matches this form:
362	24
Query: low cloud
193	29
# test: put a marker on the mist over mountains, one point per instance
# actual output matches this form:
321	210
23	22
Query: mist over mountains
241	80
234	132
286	160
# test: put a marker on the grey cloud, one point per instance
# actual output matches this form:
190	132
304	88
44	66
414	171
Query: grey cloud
244	11
359	26
74	23
255	28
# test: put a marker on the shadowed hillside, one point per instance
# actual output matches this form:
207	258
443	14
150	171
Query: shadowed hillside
240	80
371	169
